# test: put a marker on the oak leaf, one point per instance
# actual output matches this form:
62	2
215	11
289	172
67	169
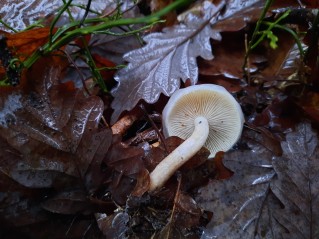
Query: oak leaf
267	197
52	125
167	58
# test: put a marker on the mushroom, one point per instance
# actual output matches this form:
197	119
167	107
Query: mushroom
203	115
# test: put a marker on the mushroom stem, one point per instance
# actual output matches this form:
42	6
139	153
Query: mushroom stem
167	167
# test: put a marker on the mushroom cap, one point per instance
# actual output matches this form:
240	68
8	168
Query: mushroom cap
216	104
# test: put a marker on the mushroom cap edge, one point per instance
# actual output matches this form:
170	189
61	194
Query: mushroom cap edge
223	97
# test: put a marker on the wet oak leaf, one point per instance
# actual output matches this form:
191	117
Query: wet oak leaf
20	14
236	202
167	58
298	183
51	124
267	197
238	14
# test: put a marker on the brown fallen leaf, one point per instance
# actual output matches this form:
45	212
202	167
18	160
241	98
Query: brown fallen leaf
51	150
229	58
126	172
23	44
240	15
264	189
280	115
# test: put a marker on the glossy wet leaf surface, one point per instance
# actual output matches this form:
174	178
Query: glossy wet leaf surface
167	58
20	14
46	127
281	190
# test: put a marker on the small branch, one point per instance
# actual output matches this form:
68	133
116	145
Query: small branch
122	125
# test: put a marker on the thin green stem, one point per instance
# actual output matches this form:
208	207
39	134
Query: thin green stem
55	20
91	63
36	24
270	25
68	11
7	26
128	33
293	34
255	33
65	35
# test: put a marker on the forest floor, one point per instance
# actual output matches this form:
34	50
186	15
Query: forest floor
82	90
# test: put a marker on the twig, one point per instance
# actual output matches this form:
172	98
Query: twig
78	70
248	61
122	125
160	135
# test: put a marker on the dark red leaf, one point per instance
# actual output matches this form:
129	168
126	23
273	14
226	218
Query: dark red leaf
222	171
24	43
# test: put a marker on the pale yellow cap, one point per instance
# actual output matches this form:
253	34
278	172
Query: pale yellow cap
213	102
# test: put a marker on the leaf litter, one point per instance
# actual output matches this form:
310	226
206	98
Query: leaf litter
268	196
61	165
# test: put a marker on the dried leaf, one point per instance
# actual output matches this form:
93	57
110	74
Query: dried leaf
157	5
277	58
239	13
169	231
267	197
167	58
49	138
18	209
114	47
